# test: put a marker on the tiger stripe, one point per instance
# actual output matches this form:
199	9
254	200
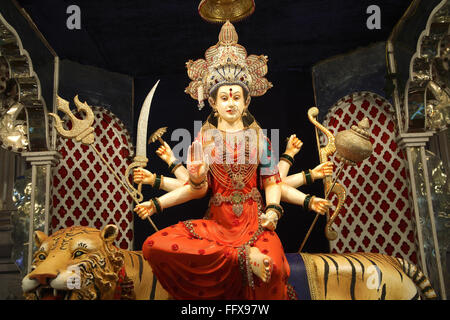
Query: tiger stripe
350	277
326	273
416	296
131	259
383	292
335	265
145	279
141	267
353	281
426	289
414	276
419	278
362	267
153	291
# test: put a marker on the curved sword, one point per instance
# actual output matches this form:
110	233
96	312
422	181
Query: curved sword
141	145
140	160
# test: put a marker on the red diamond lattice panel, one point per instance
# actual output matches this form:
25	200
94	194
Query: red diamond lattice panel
376	216
85	192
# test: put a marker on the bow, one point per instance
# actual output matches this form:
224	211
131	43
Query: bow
329	185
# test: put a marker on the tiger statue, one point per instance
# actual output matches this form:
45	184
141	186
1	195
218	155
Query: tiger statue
356	276
80	263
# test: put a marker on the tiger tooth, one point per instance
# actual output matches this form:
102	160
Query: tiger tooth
38	293
55	292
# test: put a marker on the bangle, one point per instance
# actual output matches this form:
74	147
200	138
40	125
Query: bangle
287	158
311	174
157	204
196	185
306	201
277	208
308	177
157	183
175	164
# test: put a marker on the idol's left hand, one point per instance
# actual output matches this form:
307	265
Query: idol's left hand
269	220
322	170
293	146
319	205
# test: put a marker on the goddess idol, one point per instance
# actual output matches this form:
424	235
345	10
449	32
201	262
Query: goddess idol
233	252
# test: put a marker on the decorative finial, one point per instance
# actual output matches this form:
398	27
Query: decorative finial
219	11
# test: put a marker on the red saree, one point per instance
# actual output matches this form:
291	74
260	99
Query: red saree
208	258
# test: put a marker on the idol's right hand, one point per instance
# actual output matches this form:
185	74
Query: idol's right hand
144	176
145	209
196	164
166	153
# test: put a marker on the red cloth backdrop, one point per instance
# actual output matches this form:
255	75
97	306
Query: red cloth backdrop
377	215
85	192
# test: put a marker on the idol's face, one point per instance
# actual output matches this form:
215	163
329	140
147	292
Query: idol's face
230	103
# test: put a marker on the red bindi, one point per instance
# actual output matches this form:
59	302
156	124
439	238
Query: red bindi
231	93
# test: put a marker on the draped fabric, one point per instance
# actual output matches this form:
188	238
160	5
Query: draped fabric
208	258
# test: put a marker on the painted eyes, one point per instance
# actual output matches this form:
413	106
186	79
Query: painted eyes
235	98
78	253
42	256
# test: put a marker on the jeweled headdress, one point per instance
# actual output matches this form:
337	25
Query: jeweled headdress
227	63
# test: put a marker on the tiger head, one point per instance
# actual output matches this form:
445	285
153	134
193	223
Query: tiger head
77	263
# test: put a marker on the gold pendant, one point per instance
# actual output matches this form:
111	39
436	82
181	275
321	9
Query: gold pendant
237	209
237	182
237	200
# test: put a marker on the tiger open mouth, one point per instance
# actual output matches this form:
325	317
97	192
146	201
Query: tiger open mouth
49	293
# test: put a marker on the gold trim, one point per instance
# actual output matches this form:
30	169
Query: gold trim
311	272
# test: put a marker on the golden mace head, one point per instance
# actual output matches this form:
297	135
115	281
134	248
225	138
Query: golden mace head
219	11
157	135
353	145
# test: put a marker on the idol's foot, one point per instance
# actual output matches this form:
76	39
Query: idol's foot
261	264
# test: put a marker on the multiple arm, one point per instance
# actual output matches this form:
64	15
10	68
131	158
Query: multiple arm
272	190
288	185
179	191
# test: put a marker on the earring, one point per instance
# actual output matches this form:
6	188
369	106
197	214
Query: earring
215	113
244	114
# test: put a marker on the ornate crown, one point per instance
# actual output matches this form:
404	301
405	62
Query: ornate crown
226	63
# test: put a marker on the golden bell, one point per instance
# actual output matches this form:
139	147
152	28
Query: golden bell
353	145
219	11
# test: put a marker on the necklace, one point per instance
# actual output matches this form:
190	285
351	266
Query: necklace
236	175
